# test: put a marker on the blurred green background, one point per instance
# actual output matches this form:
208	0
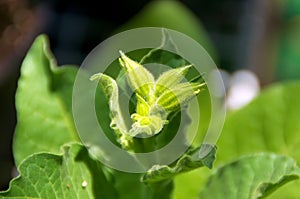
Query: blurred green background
259	36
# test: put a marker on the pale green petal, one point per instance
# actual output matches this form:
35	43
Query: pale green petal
146	125
142	106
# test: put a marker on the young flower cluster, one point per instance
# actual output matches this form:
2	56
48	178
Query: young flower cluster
156	99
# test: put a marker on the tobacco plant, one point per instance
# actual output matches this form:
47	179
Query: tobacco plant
53	163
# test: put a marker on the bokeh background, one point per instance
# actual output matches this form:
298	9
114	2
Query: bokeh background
254	42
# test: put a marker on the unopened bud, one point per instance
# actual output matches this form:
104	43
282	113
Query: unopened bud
171	99
170	79
139	78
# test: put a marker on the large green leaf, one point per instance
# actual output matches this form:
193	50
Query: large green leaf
255	176
269	123
70	175
43	102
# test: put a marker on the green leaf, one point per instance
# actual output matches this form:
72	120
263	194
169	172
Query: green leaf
43	102
202	156
70	175
255	176
270	123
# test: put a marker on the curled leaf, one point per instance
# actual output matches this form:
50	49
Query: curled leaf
199	157
111	91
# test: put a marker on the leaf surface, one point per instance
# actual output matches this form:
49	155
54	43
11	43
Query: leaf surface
255	176
43	102
70	175
270	123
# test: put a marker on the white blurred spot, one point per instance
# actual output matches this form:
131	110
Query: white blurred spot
84	184
244	86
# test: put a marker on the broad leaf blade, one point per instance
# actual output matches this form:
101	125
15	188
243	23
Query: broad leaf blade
269	123
254	176
71	175
43	102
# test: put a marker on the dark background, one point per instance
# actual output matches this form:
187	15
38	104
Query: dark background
240	31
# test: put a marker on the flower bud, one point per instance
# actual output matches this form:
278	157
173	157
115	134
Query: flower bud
180	94
170	79
139	78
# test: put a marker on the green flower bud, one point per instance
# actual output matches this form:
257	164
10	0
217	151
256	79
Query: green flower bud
170	79
180	94
139	78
